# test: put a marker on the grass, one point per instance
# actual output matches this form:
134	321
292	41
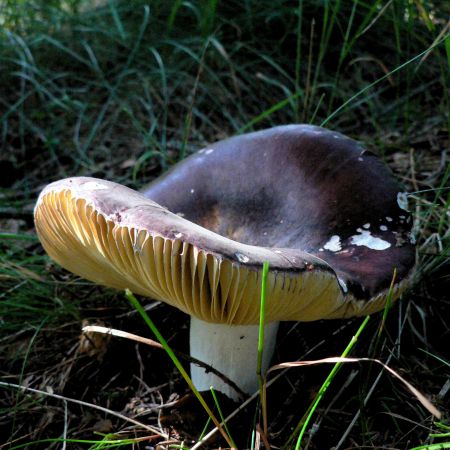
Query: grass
303	424
123	90
133	300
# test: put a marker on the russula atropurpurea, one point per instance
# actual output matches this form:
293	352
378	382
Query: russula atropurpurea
326	214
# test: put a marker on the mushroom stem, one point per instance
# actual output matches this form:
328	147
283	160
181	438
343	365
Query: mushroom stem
233	351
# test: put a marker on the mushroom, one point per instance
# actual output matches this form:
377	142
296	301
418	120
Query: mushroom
319	208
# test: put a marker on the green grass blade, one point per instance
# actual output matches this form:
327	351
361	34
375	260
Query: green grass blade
134	301
98	444
388	304
327	383
205	428
447	49
433	446
19	237
379	80
222	418
117	20
262	319
262	322
265	114
443	361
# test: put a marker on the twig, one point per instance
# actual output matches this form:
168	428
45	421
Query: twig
89	405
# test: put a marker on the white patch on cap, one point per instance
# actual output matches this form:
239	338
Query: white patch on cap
209	151
360	159
402	200
242	258
383	227
178	235
367	240
94	186
343	285
334	244
192	191
366	226
389	219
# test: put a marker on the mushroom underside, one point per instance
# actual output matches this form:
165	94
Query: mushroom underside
216	279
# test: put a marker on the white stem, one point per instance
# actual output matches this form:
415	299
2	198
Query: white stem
233	351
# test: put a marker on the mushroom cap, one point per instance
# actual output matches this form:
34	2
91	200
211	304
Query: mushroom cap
325	213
